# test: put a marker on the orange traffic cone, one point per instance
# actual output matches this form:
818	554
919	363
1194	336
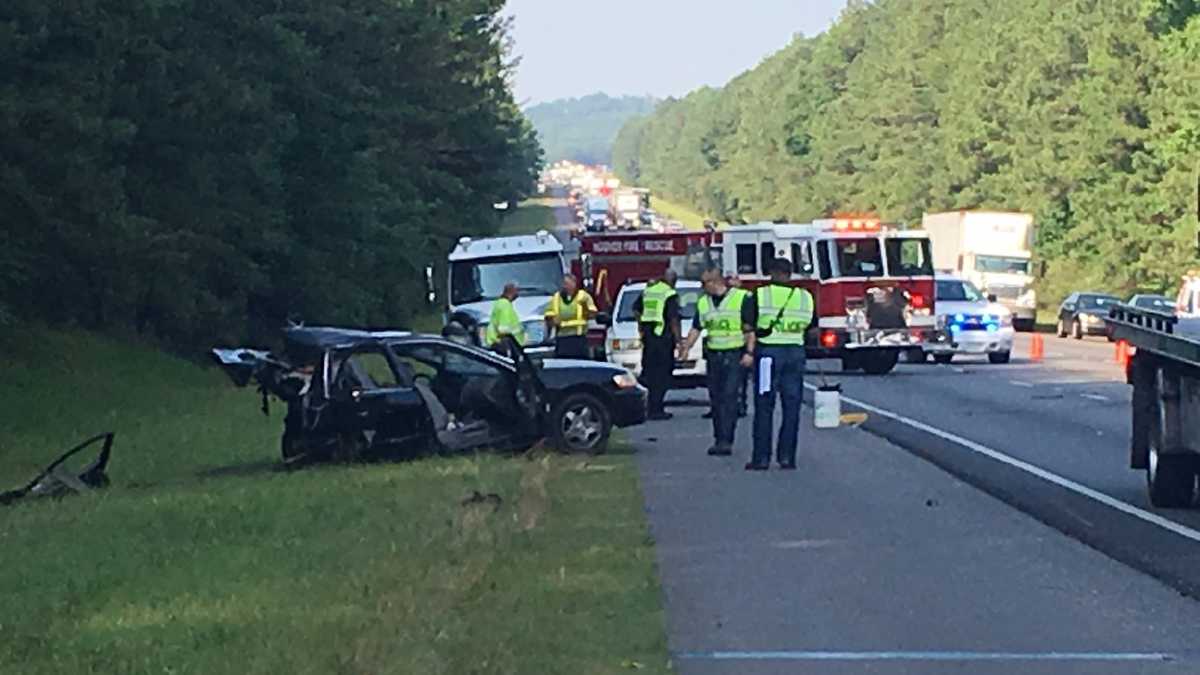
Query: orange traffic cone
1037	347
1122	353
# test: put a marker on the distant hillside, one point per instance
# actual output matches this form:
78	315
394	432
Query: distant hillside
583	129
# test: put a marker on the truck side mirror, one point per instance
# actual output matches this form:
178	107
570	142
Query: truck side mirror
991	297
1041	269
430	294
603	318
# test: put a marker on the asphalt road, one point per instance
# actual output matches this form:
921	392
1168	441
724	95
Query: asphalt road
902	549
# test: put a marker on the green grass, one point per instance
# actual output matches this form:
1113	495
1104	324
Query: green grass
202	558
529	217
675	211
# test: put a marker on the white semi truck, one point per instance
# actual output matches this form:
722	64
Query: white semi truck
479	269
993	250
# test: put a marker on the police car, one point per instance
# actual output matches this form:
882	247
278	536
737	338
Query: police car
623	341
970	323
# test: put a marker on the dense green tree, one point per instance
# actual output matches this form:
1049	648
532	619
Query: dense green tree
203	171
1083	112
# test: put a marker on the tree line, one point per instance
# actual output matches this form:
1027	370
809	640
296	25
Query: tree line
1083	112
202	171
583	129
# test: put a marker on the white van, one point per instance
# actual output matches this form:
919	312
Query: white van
623	342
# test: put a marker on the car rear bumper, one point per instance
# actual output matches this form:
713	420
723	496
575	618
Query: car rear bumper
973	342
629	407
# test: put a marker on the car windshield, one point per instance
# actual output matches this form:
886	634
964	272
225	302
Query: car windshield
1156	302
858	257
1001	264
1096	301
908	257
484	279
958	291
688	297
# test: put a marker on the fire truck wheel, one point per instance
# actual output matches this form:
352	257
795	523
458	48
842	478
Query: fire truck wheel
851	364
879	363
943	358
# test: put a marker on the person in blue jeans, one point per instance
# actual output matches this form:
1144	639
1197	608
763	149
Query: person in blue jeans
782	314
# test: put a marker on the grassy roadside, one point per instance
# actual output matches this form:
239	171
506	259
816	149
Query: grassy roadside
675	211
202	558
530	216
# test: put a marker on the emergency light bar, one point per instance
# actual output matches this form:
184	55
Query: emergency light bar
856	224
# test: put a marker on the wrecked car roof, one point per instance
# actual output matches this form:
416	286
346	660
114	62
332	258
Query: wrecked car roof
325	337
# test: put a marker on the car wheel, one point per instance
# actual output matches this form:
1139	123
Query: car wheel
1077	329
1061	330
999	357
580	423
943	359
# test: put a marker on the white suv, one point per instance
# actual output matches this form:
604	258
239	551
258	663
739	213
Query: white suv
970	323
623	342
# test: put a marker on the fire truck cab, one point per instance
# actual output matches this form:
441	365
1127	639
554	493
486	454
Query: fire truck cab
872	284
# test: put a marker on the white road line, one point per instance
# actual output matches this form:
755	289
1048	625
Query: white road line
1123	507
926	656
1018	383
1095	397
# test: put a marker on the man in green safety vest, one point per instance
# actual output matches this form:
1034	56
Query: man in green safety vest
781	316
723	313
505	324
568	314
657	311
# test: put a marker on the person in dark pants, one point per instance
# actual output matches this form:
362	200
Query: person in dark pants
782	314
723	316
657	311
731	281
567	316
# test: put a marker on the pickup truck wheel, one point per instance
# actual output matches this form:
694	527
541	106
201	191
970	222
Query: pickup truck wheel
880	363
1061	329
999	357
1076	330
580	423
943	359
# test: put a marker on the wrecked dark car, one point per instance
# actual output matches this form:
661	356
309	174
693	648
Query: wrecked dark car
358	395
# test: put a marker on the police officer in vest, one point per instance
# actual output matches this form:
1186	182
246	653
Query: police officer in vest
568	314
657	311
782	313
725	316
504	324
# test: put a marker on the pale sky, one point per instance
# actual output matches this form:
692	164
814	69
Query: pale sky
660	47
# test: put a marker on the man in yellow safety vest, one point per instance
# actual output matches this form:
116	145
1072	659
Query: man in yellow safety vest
657	311
723	313
504	322
568	314
782	313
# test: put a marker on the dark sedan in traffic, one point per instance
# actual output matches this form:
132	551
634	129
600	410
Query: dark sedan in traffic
1083	314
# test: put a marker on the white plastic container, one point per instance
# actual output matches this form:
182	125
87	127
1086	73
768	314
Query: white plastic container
827	406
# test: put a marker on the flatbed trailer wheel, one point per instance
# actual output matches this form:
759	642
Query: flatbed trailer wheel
880	362
1170	476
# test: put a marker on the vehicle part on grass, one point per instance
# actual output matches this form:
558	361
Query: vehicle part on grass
56	480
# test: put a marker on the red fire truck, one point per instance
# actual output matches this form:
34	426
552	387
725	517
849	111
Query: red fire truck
873	284
609	260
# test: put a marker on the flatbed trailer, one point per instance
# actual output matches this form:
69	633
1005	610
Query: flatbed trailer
1164	370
